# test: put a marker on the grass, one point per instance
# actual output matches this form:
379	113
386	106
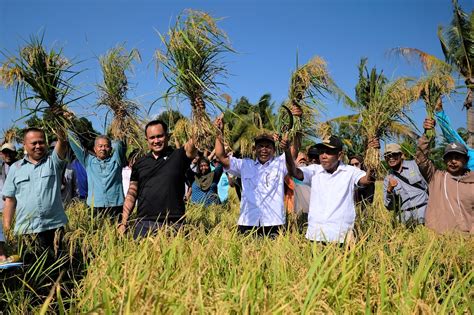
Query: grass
209	268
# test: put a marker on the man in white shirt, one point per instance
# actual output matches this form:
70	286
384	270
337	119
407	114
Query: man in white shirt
261	207
332	210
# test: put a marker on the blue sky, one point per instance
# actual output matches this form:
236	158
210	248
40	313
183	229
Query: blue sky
266	34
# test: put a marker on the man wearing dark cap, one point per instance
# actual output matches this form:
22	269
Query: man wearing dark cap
451	200
405	189
261	207
331	210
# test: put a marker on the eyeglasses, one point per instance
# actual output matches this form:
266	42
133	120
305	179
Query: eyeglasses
392	155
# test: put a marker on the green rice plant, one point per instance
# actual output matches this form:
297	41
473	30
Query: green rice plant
380	103
125	124
43	82
191	63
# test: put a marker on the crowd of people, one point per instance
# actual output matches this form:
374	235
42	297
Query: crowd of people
317	182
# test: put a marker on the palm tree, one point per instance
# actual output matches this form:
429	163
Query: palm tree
457	43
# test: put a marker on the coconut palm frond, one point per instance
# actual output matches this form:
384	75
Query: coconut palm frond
191	63
43	82
429	62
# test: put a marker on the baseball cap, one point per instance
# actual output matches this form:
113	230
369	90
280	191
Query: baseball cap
455	147
332	142
392	148
264	137
8	146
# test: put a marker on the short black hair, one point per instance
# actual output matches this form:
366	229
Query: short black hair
157	122
33	129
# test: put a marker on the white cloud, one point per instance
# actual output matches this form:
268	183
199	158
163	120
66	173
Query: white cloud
3	105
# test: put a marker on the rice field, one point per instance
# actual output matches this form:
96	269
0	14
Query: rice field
208	267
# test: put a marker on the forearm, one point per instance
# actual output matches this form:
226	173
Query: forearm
8	212
291	166
426	167
129	203
220	151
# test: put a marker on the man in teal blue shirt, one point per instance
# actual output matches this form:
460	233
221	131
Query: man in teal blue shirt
32	190
451	135
104	174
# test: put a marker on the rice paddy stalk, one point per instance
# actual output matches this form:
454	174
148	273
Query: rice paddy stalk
381	103
308	82
43	82
191	62
115	65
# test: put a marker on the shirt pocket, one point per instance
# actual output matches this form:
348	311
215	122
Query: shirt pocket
21	183
250	181
48	178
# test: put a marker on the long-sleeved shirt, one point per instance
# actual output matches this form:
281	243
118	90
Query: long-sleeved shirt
451	199
104	177
452	136
406	196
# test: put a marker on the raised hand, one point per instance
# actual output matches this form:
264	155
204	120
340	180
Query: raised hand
429	124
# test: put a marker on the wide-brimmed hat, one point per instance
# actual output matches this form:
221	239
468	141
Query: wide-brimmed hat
8	146
392	148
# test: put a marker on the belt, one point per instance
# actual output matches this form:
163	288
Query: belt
416	207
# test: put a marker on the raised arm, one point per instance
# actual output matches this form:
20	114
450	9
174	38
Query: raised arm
219	146
445	124
61	144
369	177
190	148
80	152
426	167
290	161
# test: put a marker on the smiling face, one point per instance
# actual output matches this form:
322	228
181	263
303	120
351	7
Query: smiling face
34	143
394	160
204	167
157	139
265	150
102	148
455	163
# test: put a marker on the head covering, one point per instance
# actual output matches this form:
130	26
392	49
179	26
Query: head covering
264	137
8	146
392	148
332	142
313	151
455	147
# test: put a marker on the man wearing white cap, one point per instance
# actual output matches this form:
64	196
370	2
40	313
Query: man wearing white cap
8	157
405	189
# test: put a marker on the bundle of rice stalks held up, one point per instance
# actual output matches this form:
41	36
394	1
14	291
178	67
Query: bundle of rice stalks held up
42	81
191	63
381	104
113	95
307	83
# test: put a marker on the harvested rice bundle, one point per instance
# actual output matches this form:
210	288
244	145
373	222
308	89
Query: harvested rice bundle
43	83
113	95
307	82
11	135
381	103
435	83
191	63
181	132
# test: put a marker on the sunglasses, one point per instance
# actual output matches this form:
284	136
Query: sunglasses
392	155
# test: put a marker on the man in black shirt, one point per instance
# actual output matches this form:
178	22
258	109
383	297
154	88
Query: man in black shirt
157	182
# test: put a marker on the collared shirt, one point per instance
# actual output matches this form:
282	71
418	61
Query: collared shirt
406	196
37	189
262	190
161	185
104	177
331	206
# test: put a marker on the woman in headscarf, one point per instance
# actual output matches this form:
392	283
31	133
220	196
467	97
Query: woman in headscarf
363	195
204	186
